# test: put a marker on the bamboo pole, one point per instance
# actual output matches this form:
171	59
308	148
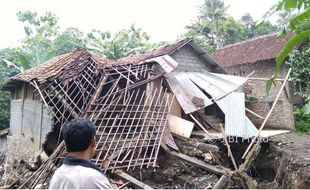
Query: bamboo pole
252	112
230	155
200	125
268	115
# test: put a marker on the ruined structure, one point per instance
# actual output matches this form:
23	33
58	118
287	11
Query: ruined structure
135	103
259	55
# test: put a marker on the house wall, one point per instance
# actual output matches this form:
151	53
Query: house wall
29	124
190	60
3	141
282	116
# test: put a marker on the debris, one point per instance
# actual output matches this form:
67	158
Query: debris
220	170
198	102
220	184
180	126
132	179
196	144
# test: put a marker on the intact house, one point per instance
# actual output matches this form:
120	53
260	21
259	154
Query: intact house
259	55
47	96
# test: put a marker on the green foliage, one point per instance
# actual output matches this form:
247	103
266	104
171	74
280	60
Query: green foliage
302	121
231	31
68	40
250	98
214	28
125	42
296	25
299	62
5	96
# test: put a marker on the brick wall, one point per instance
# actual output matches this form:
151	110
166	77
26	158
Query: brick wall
29	125
282	116
190	60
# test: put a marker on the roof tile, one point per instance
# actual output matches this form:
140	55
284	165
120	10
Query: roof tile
250	51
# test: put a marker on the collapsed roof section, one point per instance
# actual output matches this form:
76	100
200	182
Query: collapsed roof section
193	88
129	102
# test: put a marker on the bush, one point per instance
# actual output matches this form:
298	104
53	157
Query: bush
302	121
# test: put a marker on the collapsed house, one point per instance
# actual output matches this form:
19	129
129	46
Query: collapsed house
135	104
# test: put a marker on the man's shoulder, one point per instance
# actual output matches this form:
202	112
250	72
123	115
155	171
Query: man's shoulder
86	171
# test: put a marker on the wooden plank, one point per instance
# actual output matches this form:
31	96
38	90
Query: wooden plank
196	144
175	108
180	126
132	179
220	184
219	170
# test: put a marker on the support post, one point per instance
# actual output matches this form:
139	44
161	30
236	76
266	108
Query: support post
268	115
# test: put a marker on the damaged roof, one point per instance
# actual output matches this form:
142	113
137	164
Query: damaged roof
73	62
250	51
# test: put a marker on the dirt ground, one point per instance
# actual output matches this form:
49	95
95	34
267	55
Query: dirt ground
284	162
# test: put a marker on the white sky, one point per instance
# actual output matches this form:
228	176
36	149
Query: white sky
163	20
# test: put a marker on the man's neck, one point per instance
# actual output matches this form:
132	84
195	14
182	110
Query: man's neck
80	155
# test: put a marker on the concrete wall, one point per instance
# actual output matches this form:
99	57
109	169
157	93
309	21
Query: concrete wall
3	142
190	60
29	125
282	116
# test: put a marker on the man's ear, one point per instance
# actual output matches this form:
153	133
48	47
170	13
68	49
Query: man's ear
93	142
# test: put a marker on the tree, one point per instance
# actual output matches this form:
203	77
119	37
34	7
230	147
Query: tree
213	11
5	73
251	28
125	42
213	28
68	40
299	62
231	31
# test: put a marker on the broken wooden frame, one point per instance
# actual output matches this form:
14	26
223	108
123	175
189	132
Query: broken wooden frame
130	119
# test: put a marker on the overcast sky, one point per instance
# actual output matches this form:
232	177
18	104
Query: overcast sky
163	20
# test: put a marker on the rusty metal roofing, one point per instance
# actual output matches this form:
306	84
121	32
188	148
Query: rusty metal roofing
250	51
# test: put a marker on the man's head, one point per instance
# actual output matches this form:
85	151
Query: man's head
79	135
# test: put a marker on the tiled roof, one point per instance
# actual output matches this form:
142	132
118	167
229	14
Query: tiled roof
250	51
74	62
168	49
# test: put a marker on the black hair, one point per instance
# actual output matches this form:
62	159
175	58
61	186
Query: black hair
78	134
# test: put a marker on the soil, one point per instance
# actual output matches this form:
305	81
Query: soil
284	162
173	173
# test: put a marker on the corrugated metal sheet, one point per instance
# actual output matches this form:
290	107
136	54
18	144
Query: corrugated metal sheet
166	62
189	96
221	88
217	85
236	122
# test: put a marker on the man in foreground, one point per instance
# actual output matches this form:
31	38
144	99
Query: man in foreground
77	172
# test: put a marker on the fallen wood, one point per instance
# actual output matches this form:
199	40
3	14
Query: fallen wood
250	158
230	155
132	179
268	115
195	144
251	184
220	170
220	184
252	112
180	126
200	125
